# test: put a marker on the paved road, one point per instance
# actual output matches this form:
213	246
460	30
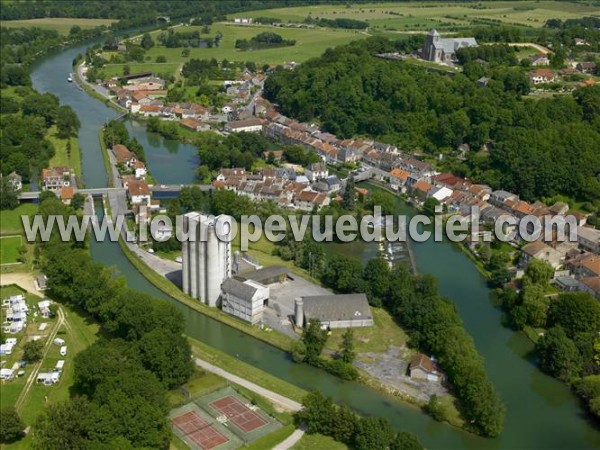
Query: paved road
291	440
274	397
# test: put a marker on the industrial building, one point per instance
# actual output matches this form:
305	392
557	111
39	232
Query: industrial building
334	311
207	257
244	299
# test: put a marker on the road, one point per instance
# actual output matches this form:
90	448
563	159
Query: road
538	47
274	397
291	440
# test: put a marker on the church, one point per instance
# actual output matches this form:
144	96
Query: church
441	50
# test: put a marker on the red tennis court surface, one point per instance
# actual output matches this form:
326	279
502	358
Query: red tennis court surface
238	414
199	430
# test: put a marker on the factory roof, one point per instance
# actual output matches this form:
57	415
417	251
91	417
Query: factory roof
240	289
266	274
328	308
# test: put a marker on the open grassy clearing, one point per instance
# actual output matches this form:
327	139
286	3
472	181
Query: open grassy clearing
377	339
10	220
9	249
64	157
318	441
61	24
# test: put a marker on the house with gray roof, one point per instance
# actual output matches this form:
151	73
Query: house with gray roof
437	49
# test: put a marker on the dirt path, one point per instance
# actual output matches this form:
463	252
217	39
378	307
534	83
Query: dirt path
291	440
23	280
282	401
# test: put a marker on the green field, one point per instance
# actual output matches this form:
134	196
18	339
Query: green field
10	220
60	24
443	15
62	157
9	249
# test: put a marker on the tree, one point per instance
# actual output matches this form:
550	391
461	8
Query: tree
161	59
373	433
539	272
347	353
575	313
126	69
429	206
64	425
343	424
558	354
75	29
33	351
11	425
8	196
405	441
316	413
168	356
147	41
298	351
348	199
67	122
535	304
314	339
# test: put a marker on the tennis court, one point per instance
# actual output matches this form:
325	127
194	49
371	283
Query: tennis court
238	414
199	431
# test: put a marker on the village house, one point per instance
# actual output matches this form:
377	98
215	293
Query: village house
586	67
541	251
123	155
138	192
150	110
54	179
253	125
398	178
194	125
15	181
66	194
421	188
590	285
140	170
308	200
539	60
541	76
316	171
424	368
589	239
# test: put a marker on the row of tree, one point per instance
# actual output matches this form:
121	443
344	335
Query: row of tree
266	39
121	381
320	415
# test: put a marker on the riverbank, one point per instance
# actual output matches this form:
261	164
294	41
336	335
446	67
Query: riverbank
88	88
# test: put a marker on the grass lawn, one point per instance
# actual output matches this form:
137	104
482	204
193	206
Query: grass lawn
246	371
10	220
63	157
111	70
376	339
9	249
61	24
271	440
78	333
318	441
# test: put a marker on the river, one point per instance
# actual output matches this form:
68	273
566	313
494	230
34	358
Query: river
542	412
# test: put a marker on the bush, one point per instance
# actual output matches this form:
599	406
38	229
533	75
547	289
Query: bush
11	425
33	351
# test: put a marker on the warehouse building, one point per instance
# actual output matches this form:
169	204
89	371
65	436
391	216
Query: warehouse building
245	300
334	311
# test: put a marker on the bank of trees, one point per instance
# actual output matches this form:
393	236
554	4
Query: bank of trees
266	39
352	92
121	381
236	150
321	415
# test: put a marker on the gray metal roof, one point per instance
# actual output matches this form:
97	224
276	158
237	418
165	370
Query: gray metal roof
267	273
238	289
337	307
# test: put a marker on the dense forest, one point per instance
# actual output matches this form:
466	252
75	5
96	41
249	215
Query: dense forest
538	148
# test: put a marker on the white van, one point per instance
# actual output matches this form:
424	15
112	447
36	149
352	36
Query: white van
59	342
63	350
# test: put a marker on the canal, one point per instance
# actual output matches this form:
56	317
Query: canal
542	413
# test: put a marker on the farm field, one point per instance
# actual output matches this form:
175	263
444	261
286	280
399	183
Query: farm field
443	15
309	43
61	24
9	249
